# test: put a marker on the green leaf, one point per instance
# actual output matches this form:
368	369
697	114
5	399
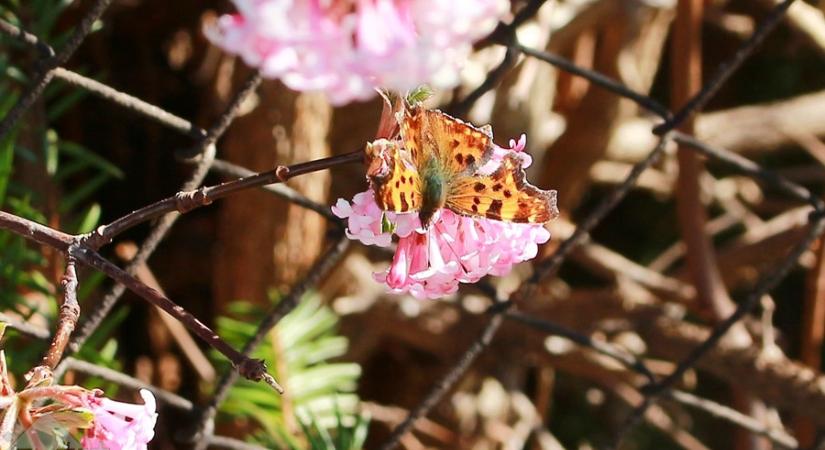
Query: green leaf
89	220
70	201
359	435
319	430
90	282
17	75
80	153
6	159
46	17
322	392
50	145
419	94
41	283
386	225
101	338
64	102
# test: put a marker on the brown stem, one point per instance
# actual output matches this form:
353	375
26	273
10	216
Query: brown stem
252	369
82	248
687	81
36	232
25	418
186	201
67	319
812	334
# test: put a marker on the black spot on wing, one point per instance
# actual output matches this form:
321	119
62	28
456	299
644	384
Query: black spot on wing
495	209
479	187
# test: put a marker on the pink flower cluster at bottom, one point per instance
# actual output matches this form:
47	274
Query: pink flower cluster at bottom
430	263
118	425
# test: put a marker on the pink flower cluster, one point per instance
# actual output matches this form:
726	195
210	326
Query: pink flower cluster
430	263
118	425
347	48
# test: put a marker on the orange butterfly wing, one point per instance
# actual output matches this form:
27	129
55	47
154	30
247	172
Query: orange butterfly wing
503	195
393	176
459	146
459	149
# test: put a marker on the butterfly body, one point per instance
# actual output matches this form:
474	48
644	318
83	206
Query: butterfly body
434	190
437	166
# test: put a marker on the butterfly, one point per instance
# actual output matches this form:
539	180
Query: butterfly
437	164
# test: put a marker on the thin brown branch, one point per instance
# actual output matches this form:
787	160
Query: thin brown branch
394	415
251	369
26	328
229	169
733	416
812	332
186	201
686	80
46	71
122	379
36	232
446	382
204	154
66	319
322	267
193	354
813	329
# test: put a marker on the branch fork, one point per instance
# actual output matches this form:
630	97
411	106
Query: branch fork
83	248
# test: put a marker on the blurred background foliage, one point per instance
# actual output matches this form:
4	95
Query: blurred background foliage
355	360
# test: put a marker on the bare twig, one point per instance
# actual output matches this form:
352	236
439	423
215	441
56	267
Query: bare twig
25	327
750	168
251	369
197	359
623	357
122	379
186	201
447	381
548	267
743	308
598	79
26	38
686	81
46	71
228	169
490	82
322	266
735	417
131	103
161	228
66	319
726	70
